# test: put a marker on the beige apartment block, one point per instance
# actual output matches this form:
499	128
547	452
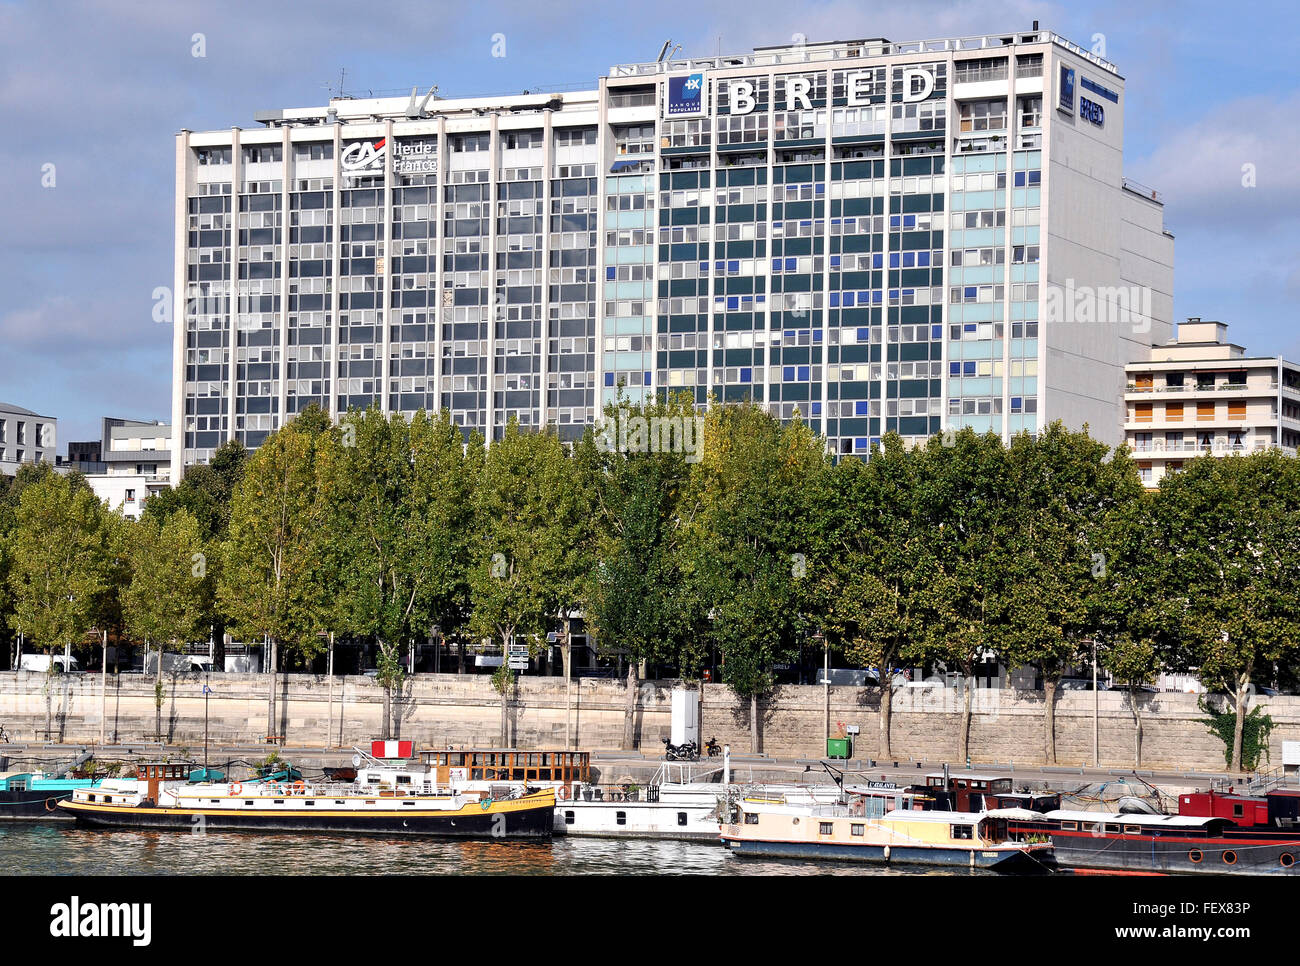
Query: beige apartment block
1200	393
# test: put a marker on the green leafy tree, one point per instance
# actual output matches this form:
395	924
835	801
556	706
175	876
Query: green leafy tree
398	497
1066	487
1231	526
965	523
268	583
870	563
519	541
56	569
747	542
168	596
637	600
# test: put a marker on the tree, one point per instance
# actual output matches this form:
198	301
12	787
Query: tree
1138	612
1065	487
747	542
398	498
637	600
965	525
1231	524
207	492
868	563
168	594
518	540
56	564
267	583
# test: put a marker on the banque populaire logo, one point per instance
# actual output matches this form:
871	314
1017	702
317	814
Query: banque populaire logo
686	95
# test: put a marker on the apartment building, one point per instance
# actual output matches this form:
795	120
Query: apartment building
1200	393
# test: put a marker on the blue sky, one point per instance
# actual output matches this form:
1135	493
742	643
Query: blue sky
98	90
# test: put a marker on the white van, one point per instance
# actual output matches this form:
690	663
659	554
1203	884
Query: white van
179	663
41	662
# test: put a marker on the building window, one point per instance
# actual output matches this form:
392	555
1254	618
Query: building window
130	496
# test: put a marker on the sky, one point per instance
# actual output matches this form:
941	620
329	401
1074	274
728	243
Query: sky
98	89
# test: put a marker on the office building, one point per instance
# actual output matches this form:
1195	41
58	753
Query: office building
877	236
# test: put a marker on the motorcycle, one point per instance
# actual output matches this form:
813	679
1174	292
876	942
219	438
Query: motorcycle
713	748
684	752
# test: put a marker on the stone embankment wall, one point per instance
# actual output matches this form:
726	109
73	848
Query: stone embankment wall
449	709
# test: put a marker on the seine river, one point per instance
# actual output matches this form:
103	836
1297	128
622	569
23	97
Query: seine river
66	850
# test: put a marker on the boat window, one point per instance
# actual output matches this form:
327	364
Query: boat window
856	829
1237	811
404	803
1132	829
1112	827
568	817
309	802
1069	826
621	818
248	801
751	818
825	828
960	831
88	797
278	801
681	818
1090	826
338	801
403	779
215	801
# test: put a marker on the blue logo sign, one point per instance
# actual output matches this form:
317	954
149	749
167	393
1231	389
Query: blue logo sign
686	95
1092	111
1066	102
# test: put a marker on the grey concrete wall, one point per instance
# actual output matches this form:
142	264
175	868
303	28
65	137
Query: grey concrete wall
442	709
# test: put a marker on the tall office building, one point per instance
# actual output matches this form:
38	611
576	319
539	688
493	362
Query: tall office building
878	236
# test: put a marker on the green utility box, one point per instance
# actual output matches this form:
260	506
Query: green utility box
839	747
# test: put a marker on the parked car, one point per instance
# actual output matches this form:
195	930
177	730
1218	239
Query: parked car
1136	688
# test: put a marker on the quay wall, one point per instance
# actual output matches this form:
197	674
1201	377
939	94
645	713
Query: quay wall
462	710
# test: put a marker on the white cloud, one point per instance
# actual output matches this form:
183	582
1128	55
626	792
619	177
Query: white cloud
1200	167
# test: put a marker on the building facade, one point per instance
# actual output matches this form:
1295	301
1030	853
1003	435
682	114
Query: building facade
1201	394
25	437
875	236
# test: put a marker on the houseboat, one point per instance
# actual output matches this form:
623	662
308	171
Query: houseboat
677	802
1158	843
882	824
388	797
35	796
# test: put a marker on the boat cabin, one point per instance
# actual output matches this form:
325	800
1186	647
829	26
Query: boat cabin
965	791
1279	808
154	774
1032	801
509	765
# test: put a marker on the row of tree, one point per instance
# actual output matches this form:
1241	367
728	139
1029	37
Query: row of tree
753	545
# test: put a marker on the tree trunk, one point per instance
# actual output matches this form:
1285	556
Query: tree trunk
158	698
1137	728
629	711
753	724
388	711
886	716
505	728
270	652
1238	729
964	754
1049	719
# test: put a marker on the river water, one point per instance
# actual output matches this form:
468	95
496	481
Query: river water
63	849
